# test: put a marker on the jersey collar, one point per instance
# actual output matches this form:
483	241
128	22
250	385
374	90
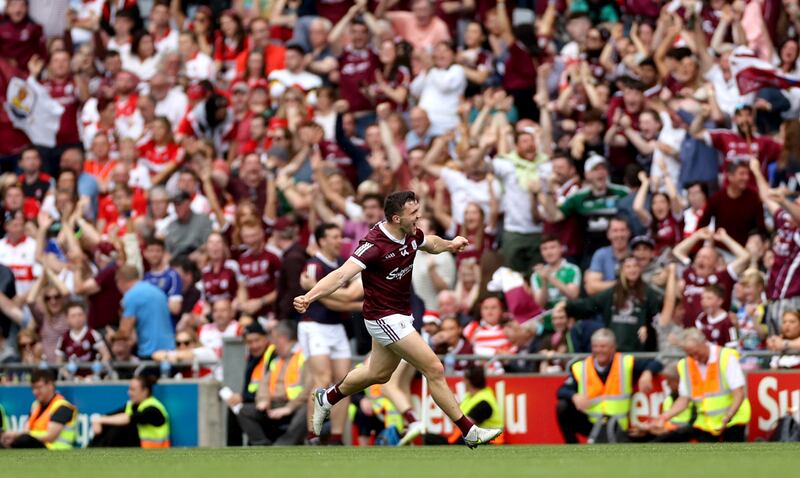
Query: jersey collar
388	234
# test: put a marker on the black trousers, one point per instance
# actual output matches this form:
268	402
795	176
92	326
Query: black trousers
27	441
734	433
262	430
112	436
572	421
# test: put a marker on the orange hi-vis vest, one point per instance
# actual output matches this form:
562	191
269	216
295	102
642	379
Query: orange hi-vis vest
712	395
261	367
609	399
40	420
291	377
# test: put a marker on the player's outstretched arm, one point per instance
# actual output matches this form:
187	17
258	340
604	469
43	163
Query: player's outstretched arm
325	287
437	245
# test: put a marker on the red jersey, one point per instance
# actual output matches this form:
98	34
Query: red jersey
220	282
784	280
356	71
258	271
99	169
568	231
387	263
108	211
693	291
718	330
155	158
666	233
66	93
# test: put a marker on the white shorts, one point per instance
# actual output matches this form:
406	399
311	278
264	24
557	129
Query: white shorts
323	339
391	328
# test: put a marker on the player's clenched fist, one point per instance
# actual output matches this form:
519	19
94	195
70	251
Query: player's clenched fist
458	244
301	303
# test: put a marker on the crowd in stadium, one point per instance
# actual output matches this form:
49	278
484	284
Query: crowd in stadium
177	172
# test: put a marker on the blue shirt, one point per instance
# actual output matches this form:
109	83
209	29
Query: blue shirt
87	186
604	262
168	281
148	305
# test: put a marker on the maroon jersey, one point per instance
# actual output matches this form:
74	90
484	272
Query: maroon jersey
666	232
332	153
258	271
66	93
736	148
693	291
718	329
83	347
220	282
387	263
333	10
20	41
784	280
356	73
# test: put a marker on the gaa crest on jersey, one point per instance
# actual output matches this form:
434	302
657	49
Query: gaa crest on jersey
414	244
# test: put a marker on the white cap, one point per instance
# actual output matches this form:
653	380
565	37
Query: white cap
594	161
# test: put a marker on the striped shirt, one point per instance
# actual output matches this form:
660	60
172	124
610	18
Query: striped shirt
488	339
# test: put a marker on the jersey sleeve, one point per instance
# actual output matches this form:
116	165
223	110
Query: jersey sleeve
365	254
420	237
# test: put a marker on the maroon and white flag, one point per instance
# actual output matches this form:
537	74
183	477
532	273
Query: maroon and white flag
753	73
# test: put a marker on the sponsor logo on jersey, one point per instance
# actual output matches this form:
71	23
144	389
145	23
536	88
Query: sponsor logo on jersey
398	273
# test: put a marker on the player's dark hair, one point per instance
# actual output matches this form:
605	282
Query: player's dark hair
476	376
395	203
321	230
45	376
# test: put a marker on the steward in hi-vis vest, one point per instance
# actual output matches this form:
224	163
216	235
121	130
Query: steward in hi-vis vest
480	404
52	420
143	421
600	387
711	377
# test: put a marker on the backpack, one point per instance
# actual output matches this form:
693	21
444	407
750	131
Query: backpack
787	430
607	430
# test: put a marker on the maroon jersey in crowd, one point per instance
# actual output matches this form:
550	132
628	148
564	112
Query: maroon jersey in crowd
387	263
693	291
333	10
719	329
258	271
220	282
667	233
20	41
784	280
357	72
66	93
83	347
736	148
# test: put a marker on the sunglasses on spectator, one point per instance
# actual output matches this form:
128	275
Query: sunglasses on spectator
25	345
185	343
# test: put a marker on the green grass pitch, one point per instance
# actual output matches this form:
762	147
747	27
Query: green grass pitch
641	461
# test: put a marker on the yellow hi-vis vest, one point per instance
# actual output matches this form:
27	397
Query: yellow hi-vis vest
609	399
40	419
712	396
292	376
258	372
680	420
382	406
485	395
4	425
151	436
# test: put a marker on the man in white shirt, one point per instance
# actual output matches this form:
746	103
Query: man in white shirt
171	102
197	65
164	36
294	76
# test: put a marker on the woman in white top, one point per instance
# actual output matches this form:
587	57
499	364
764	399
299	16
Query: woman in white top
143	58
439	87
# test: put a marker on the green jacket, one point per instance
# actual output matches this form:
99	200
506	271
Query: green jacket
624	323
